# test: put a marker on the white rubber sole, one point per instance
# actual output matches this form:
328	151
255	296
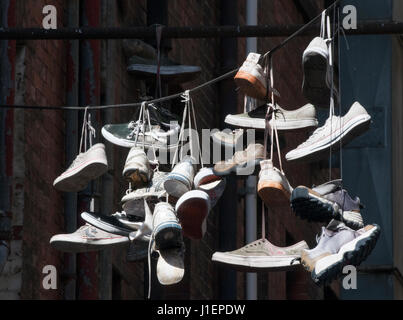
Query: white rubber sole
256	262
332	139
66	244
325	263
257	123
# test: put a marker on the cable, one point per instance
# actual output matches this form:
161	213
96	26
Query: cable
173	96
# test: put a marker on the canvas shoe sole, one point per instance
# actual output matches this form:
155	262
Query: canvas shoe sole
64	243
256	263
311	206
177	184
273	193
260	123
192	210
250	85
352	253
314	88
352	129
93	165
170	266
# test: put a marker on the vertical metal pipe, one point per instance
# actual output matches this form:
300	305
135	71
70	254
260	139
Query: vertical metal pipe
227	102
89	92
71	145
250	197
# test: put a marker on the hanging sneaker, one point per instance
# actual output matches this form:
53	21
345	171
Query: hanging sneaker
180	180
169	71
251	78
242	163
337	247
133	202
346	128
86	239
303	117
273	186
192	210
261	255
228	139
137	168
167	232
124	135
326	202
205	180
87	166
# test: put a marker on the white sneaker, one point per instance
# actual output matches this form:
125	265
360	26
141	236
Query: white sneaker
87	238
180	180
167	231
137	167
205	180
170	266
346	128
192	209
273	186
87	166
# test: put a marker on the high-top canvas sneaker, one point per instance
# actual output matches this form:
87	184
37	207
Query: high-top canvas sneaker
273	186
192	210
87	166
303	117
337	247
167	231
325	202
85	239
261	255
242	163
137	168
180	180
345	128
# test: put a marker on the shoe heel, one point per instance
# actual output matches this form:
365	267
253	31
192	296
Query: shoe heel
168	236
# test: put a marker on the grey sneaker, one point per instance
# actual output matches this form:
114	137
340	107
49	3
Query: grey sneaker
180	180
337	247
87	166
87	238
124	135
303	117
326	202
261	255
335	130
132	202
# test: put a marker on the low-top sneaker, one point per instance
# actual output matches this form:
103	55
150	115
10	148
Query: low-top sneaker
337	247
180	180
336	129
273	186
124	135
261	255
303	117
242	163
326	202
132	202
205	180
87	166
86	239
137	168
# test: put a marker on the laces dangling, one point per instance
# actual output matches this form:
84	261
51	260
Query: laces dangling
87	131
